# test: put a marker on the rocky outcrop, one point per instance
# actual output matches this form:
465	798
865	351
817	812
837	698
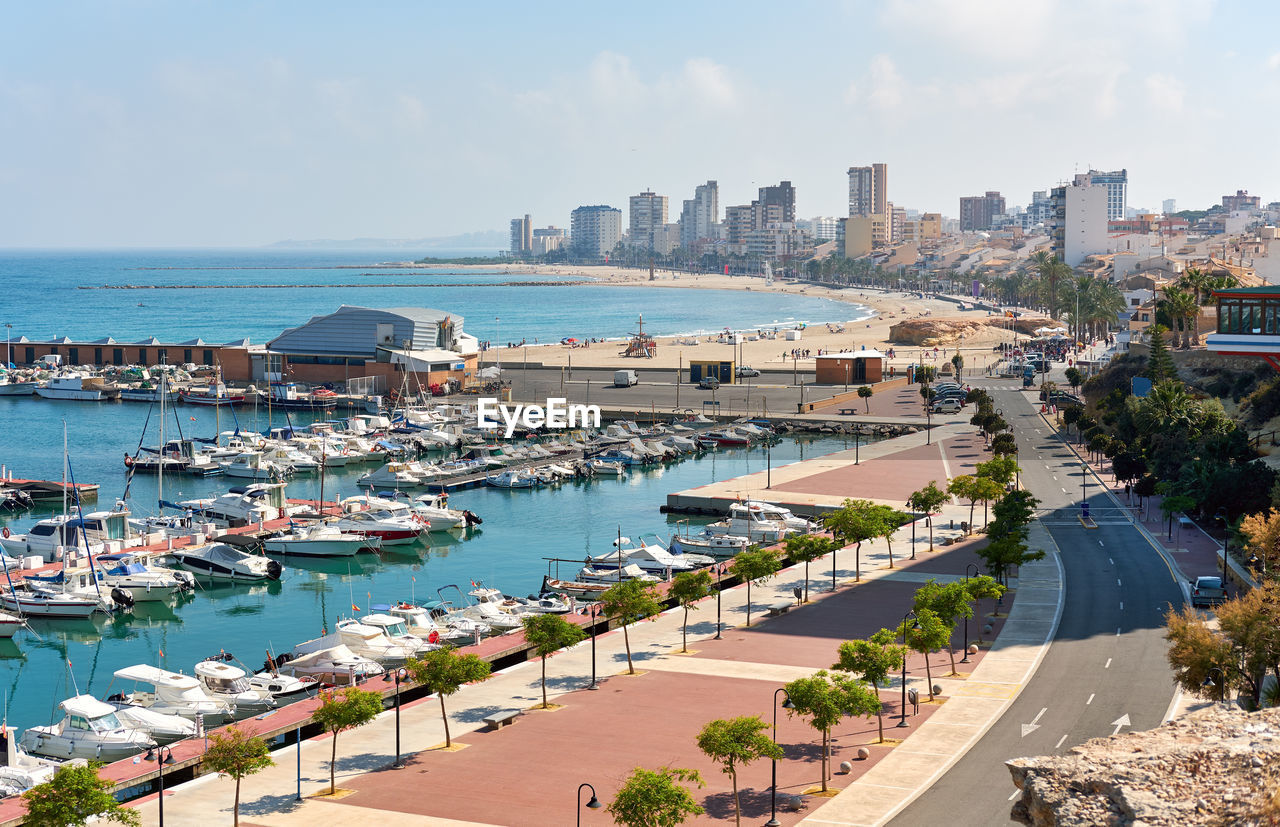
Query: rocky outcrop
1217	766
936	332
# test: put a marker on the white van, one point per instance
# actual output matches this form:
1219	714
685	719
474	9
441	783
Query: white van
625	378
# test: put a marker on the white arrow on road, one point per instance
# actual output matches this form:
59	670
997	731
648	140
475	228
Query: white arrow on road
1027	729
1123	720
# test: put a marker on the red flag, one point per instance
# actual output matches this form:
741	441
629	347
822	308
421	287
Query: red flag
355	608
161	651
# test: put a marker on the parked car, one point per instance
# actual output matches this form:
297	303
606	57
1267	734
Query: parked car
708	383
746	370
946	406
1208	591
1061	398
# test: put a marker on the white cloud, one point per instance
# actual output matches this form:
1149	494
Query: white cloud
1273	62
613	78
1165	92
851	94
709	81
887	84
999	29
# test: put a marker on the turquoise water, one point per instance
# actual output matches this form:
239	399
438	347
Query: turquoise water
42	299
520	529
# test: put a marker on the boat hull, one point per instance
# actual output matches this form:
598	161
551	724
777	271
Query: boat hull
18	388
315	548
48	608
211	401
70	395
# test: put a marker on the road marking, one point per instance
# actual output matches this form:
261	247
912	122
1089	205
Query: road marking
1123	720
1112	562
1063	490
1108	666
1118	583
1100	543
1122	605
1027	729
1015	794
1086	703
1060	740
1117	631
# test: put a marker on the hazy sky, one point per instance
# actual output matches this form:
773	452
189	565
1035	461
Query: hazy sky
239	123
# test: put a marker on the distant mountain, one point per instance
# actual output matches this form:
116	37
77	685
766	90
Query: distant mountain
487	240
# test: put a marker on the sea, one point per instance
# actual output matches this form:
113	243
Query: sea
523	532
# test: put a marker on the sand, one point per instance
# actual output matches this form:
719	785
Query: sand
890	307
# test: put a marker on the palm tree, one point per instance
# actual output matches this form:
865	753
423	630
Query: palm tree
1050	269
1101	305
1183	310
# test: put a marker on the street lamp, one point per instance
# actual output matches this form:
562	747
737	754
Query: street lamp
1221	514
773	785
162	756
1221	684
719	589
1084	481
973	566
398	675
912	615
593	611
593	804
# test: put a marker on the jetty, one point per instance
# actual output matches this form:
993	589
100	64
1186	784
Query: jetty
49	489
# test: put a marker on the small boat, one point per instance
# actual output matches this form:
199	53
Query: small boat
772	511
165	729
10	624
87	532
214	395
392	475
719	546
146	392
254	465
390	529
139	580
228	683
434	508
78	387
220	561
335	665
603	468
397	630
727	436
172	694
369	642
286	395
319	540
15	499
512	479
15	387
89	730
422	622
41	601
611	577
574	588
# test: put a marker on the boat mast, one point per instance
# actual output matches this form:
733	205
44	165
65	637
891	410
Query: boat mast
163	452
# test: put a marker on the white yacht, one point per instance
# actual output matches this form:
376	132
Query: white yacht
41	601
772	511
94	530
79	387
652	558
365	641
392	530
719	546
392	475
254	465
319	540
140	581
219	561
752	524
88	730
421	622
172	694
228	683
165	729
398	631
241	506
335	665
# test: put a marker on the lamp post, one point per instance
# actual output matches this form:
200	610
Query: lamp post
773	784
912	615
1221	684
768	460
719	589
593	804
973	566
1084	481
857	442
397	675
497	345
1221	514
162	756
593	611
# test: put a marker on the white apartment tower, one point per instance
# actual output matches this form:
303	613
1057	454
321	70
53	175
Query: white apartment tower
648	215
1117	184
700	214
1078	222
595	230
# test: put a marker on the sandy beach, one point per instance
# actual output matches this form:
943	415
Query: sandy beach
889	308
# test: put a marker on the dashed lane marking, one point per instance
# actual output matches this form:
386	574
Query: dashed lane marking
1060	741
1108	664
1086	703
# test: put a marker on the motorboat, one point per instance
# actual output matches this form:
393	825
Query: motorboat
728	436
434	508
397	630
335	665
62	531
241	506
613	576
89	730
254	465
146	392
83	583
284	688
604	468
163	728
172	694
365	641
772	511
140	581
15	499
574	588
512	478
484	610
319	540
39	600
21	770
290	457
421	622
229	683
654	559
752	524
10	624
392	475
220	561
10	386
213	395
719	546
287	395
392	530
78	387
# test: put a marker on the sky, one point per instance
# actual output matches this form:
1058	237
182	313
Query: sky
244	123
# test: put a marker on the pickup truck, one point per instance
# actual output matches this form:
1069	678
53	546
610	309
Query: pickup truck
1208	591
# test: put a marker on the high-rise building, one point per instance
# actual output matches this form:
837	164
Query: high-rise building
648	215
547	239
977	211
739	220
700	214
521	236
869	190
1117	184
897	223
823	228
783	198
595	230
1242	200
1169	206
1078	224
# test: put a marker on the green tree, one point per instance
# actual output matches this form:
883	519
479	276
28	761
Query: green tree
1001	469
548	634
826	699
965	487
982	587
754	566
628	602
1172	504
75	795
873	659
688	588
339	711
957	362
928	501
237	753
928	634
1159	364
805	548
950	602
651	798
856	521
737	742
443	672
864	393
1004	445
1074	377
1244	649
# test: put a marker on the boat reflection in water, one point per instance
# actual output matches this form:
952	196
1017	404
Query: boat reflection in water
9	650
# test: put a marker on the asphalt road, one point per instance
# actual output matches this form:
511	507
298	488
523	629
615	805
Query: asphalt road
1105	670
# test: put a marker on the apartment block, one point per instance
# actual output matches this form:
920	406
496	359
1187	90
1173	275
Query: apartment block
978	211
595	230
700	214
869	190
648	215
1117	186
1078	223
521	236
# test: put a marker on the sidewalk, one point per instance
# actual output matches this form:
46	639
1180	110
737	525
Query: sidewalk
526	773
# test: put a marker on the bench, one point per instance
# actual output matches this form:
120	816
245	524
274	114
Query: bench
779	608
848	411
500	719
